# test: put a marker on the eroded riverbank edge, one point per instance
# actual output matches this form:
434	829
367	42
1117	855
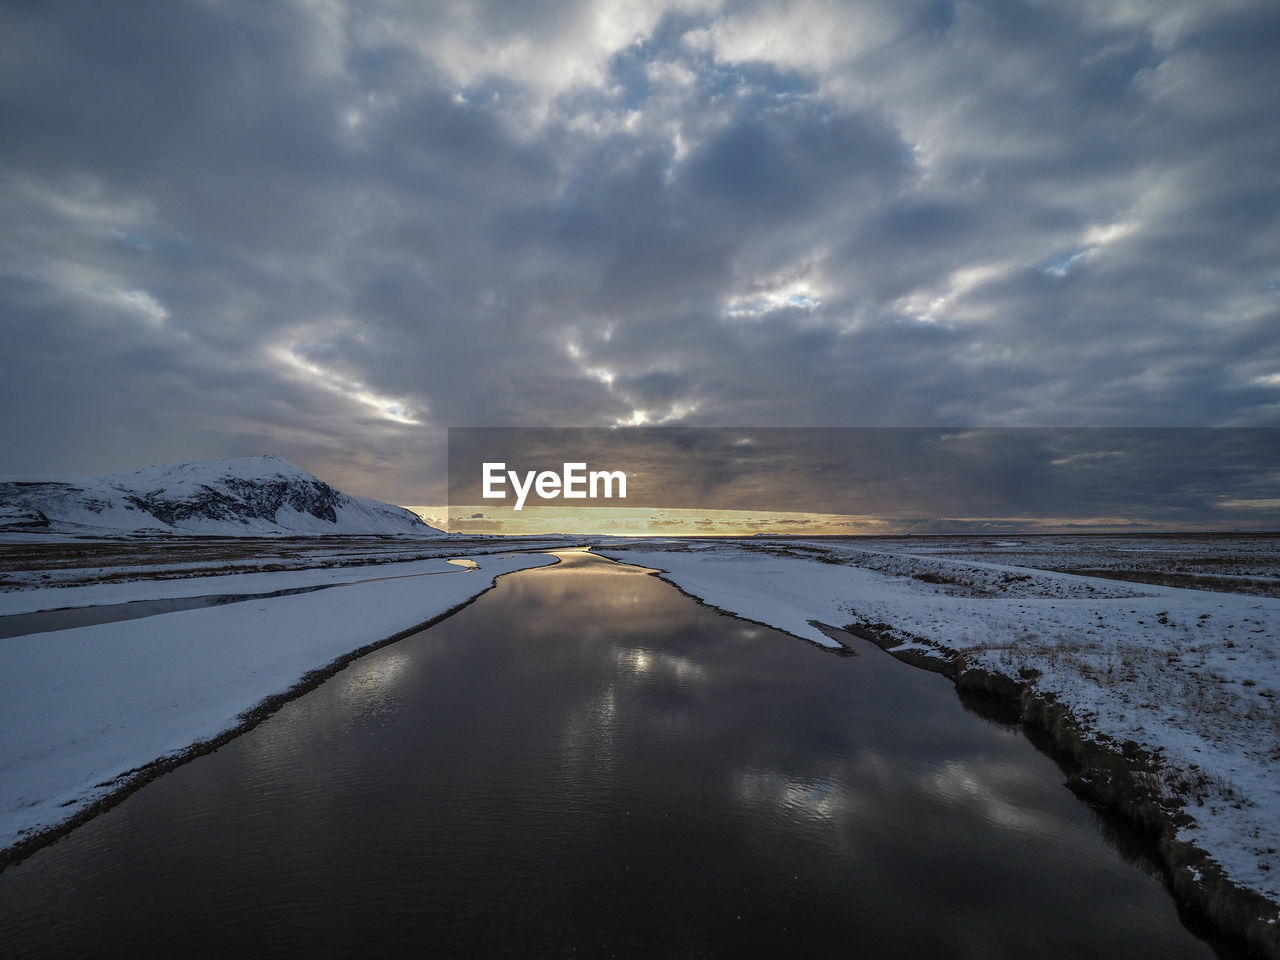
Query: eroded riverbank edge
1117	777
129	782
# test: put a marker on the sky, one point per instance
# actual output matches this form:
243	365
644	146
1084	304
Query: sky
332	230
862	481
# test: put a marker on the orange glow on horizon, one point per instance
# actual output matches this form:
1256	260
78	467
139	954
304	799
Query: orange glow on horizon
683	522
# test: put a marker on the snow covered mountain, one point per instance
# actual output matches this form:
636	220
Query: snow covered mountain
249	496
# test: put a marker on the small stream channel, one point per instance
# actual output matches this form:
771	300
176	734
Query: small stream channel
66	618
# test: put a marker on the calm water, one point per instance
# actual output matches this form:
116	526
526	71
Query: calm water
65	618
586	762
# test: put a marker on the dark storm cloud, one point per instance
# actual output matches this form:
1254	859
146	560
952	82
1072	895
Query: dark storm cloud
328	230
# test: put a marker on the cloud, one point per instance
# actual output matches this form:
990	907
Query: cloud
331	229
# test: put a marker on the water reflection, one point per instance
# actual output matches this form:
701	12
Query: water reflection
590	734
662	667
586	761
995	791
821	799
373	683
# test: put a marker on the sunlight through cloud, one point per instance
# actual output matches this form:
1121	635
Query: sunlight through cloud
389	408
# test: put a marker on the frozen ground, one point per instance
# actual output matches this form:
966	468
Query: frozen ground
248	584
1191	675
80	709
50	560
1236	563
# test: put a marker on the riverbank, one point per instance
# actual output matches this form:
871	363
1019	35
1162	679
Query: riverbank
89	714
1163	700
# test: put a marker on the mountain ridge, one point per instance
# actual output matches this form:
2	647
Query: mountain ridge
244	496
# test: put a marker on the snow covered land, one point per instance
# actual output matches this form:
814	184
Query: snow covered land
1184	681
250	496
83	710
54	564
1206	561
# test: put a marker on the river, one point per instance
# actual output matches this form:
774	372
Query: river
587	762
